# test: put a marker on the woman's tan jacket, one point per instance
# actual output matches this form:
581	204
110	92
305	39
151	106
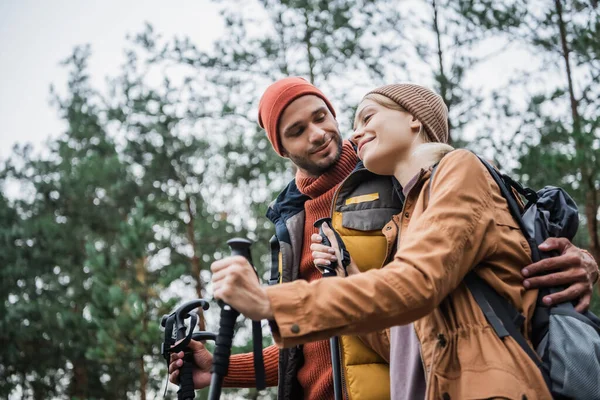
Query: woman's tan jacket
464	223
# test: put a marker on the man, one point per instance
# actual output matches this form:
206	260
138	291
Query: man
300	123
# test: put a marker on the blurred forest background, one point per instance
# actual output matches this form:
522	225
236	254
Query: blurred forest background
117	221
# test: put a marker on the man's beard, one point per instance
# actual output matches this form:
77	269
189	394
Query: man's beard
314	169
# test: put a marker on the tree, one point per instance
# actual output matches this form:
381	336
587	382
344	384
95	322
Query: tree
55	221
559	128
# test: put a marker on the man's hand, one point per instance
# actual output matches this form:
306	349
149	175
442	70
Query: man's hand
234	282
203	360
573	268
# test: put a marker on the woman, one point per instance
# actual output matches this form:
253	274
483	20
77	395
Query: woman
457	223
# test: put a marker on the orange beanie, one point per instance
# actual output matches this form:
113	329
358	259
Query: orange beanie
276	98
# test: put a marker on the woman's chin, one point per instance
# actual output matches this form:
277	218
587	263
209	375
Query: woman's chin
376	167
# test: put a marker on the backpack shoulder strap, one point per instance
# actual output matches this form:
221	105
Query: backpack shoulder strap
513	205
486	297
503	317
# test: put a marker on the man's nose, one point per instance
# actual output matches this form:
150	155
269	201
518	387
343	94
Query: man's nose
317	134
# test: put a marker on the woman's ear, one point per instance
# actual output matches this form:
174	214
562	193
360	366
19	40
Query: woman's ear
415	125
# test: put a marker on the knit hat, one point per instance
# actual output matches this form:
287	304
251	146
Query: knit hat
276	98
428	107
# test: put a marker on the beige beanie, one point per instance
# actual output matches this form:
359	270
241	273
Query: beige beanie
422	103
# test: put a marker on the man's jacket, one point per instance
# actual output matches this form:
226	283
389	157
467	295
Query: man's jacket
362	205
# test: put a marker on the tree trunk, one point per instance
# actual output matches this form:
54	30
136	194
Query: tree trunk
442	78
195	261
280	29
591	213
307	38
143	375
40	391
565	55
591	196
143	379
79	384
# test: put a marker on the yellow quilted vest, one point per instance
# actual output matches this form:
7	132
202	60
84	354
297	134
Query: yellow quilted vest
362	205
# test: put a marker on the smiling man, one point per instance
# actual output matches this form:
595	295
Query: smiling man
300	124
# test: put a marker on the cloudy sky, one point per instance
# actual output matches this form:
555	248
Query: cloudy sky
36	35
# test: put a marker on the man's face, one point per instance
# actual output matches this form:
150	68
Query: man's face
309	135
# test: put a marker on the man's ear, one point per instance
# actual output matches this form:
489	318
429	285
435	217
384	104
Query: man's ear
284	153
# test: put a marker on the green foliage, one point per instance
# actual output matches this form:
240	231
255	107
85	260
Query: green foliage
118	220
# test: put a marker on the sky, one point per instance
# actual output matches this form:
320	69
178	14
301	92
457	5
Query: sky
36	35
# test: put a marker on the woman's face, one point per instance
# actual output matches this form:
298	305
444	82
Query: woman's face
384	136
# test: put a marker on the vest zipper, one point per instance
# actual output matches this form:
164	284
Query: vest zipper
343	376
345	393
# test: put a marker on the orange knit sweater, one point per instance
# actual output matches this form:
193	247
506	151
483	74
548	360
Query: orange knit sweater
315	376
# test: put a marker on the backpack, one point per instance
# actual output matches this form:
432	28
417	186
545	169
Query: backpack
566	342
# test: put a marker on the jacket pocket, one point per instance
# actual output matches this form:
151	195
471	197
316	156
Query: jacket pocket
509	231
492	383
504	218
368	220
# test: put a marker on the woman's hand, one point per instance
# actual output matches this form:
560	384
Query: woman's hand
326	255
234	281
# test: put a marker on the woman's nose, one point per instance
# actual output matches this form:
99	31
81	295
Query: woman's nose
357	135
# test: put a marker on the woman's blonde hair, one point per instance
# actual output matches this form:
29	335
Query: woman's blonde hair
392	105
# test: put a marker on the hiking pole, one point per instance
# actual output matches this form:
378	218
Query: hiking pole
220	367
176	330
329	271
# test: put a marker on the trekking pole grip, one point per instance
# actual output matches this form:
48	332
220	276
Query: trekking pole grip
186	379
329	270
220	367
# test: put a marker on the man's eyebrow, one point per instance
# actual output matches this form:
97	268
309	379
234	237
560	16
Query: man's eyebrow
287	130
319	110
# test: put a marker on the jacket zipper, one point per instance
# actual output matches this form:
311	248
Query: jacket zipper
406	201
441	343
441	338
421	355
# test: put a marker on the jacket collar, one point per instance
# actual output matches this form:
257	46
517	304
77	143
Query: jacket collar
287	204
427	155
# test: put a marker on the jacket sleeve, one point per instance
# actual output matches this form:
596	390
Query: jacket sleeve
437	250
241	369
